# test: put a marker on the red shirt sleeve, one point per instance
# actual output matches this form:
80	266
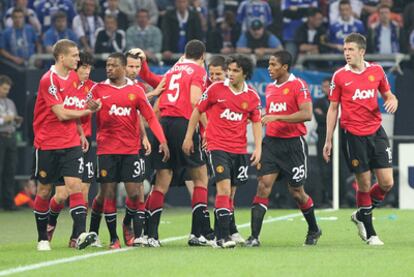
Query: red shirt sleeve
302	93
207	99
151	78
255	114
200	79
49	89
384	85
335	90
147	112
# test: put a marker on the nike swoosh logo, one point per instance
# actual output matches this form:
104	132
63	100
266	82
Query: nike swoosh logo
62	89
111	220
106	96
80	212
43	218
221	100
347	84
223	214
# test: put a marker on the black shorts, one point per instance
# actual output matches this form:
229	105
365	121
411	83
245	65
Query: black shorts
174	130
89	164
120	168
364	153
230	166
50	166
286	156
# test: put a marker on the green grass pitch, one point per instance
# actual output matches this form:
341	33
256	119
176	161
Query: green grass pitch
340	252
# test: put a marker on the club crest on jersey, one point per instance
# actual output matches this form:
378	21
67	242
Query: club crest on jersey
42	173
244	105
219	169
131	97
285	91
371	78
104	173
119	111
232	116
277	107
75	84
259	166
355	163
53	90
363	94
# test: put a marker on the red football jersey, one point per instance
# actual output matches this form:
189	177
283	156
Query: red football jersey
175	100
117	128
285	99
77	101
358	94
228	116
49	132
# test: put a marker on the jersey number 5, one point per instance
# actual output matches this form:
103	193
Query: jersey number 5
174	86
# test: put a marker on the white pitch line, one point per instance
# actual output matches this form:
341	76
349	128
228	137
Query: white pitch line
25	268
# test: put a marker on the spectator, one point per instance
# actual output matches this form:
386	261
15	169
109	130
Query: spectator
9	121
200	6
220	7
30	16
26	194
384	36
179	26
320	110
294	14
256	40
86	23
356	5
150	6
411	42
223	34
110	39
345	25
18	42
309	35
375	17
144	35
250	10
112	8
45	10
59	30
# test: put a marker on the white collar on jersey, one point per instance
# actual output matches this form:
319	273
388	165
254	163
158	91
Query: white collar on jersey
53	69
128	83
227	84
291	78
349	68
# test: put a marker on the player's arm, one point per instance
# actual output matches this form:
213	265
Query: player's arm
331	119
390	102
188	145
84	141
144	138
155	126
65	114
158	90
195	92
304	114
257	135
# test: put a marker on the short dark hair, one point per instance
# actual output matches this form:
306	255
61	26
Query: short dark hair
357	38
244	62
134	56
4	79
143	11
284	57
58	15
313	11
17	10
218	60
194	49
344	2
121	57
62	46
85	58
327	79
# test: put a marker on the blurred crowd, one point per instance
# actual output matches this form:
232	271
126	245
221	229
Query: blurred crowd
162	27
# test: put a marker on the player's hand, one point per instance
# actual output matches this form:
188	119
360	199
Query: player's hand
327	151
147	145
94	105
157	91
84	144
391	104
269	118
188	146
139	52
256	155
164	149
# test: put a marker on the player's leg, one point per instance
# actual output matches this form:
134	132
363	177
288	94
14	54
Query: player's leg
57	203
139	219
305	204
41	212
259	207
222	211
385	183
110	213
234	233
97	210
131	206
